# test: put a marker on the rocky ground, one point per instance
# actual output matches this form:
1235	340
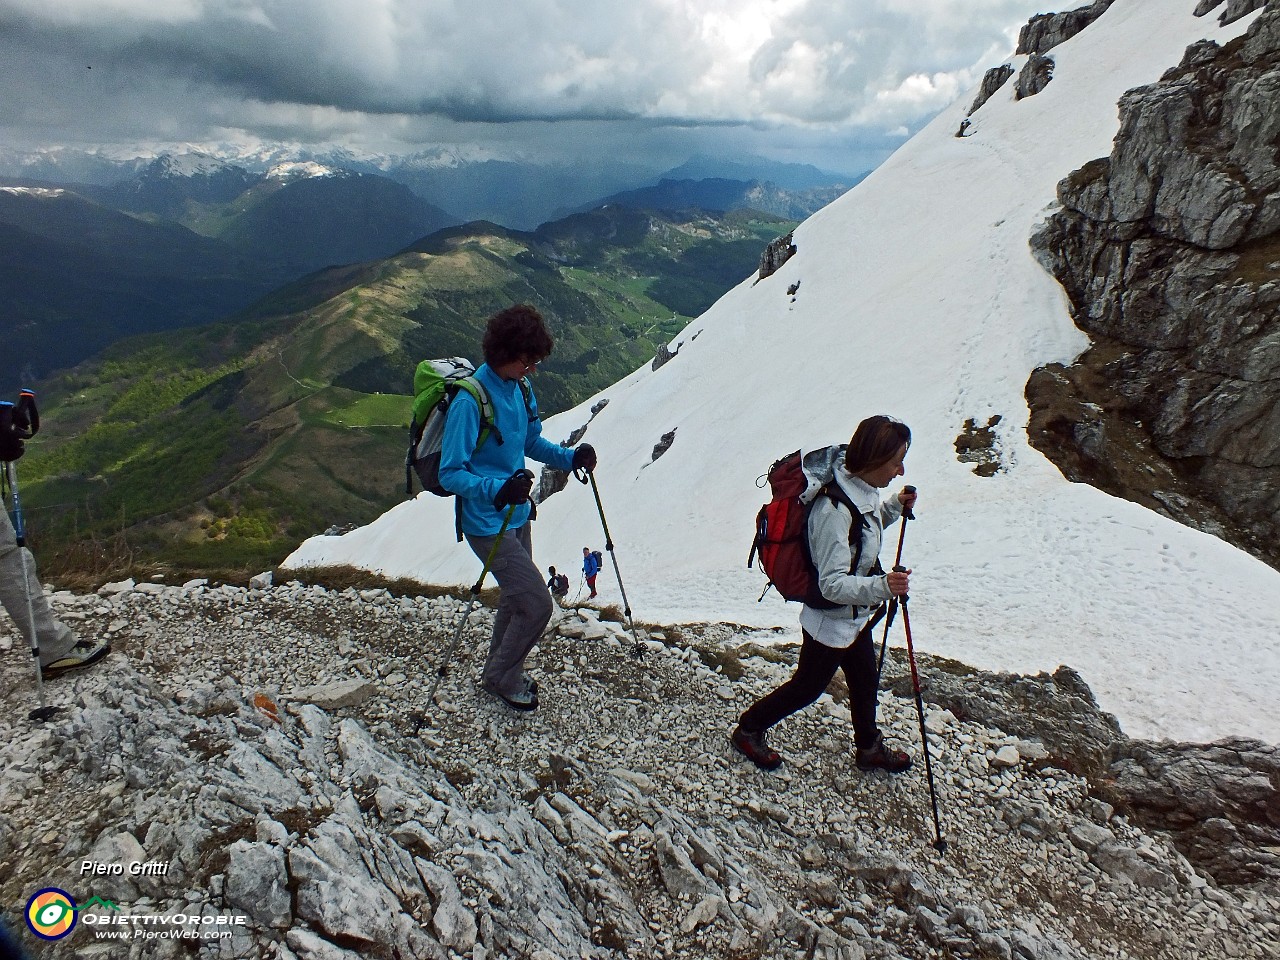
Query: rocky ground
263	746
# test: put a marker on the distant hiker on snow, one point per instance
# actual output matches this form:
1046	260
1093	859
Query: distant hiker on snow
20	590
557	583
840	637
493	486
591	560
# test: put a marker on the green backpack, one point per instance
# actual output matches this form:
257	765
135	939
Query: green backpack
435	384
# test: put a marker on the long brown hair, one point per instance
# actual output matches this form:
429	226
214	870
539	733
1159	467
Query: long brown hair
875	443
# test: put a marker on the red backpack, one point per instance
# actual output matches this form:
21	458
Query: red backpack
782	534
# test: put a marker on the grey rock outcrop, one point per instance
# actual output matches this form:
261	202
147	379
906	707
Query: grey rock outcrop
664	355
1220	801
1056	710
552	480
1034	76
1046	30
992	80
777	253
1169	251
1235	9
663	445
1038	35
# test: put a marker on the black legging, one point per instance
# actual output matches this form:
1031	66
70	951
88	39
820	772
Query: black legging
818	664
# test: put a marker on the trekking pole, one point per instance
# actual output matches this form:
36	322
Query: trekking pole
608	545
939	844
475	595
893	601
42	712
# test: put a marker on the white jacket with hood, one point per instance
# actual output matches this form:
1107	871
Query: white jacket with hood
829	529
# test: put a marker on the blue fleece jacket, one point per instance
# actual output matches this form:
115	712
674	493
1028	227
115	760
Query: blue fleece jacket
476	474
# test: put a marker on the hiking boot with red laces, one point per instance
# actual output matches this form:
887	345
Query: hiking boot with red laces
751	744
881	757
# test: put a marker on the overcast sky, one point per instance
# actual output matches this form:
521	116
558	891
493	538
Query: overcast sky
832	82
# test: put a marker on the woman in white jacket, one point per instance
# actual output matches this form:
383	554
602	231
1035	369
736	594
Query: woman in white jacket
837	632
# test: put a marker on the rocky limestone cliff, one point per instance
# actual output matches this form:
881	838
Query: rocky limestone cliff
1169	251
1045	31
274	750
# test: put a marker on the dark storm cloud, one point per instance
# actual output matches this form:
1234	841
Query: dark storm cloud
189	69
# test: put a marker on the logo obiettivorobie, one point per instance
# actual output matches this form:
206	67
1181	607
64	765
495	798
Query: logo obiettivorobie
51	913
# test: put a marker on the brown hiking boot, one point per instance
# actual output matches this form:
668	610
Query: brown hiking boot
881	757
751	744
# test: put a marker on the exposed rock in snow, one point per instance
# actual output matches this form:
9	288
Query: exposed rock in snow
1234	10
1045	31
992	80
776	253
1034	76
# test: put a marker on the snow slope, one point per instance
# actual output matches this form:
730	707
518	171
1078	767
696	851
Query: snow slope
918	297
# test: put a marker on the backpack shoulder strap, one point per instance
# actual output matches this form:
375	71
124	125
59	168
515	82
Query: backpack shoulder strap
835	493
526	391
481	397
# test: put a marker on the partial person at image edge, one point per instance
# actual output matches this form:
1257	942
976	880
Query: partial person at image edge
21	593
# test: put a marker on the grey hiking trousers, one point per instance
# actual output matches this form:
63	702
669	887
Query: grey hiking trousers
17	586
524	608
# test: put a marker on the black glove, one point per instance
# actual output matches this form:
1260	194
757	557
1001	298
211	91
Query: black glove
25	415
584	458
516	490
10	435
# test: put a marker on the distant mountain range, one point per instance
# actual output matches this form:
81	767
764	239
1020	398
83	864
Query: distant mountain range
722	194
188	238
76	276
515	194
298	216
787	176
180	243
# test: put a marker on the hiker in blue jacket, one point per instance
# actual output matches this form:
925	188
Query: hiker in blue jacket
491	479
590	569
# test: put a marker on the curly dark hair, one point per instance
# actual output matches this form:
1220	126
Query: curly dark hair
516	333
875	443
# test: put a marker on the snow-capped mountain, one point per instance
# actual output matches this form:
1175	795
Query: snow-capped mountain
301	169
187	165
170	183
916	295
